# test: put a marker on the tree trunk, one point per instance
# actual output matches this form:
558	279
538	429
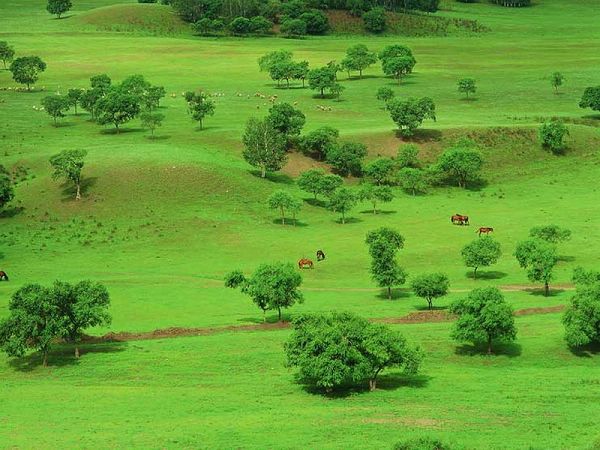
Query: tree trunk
389	289
75	108
489	350
372	384
430	303
322	92
475	273
287	80
360	73
282	215
117	127
263	171
546	289
343	218
78	193
76	351
264	315
45	358
374	208
279	313
55	123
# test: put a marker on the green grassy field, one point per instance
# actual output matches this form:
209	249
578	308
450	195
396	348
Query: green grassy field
163	220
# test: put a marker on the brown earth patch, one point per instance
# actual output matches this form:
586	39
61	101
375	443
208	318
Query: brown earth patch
542	310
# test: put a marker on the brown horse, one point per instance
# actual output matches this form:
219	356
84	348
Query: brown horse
484	230
305	263
459	219
3	276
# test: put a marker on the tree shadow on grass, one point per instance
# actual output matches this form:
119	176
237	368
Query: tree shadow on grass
273	177
356	77
539	292
397	294
510	349
64	356
316	202
586	351
11	212
348	221
112	131
468	99
487	275
64	124
566	258
591	116
476	185
421	136
162	137
422	307
290	223
385	382
379	212
68	190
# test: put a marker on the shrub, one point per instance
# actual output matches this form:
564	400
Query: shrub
260	25
316	22
240	25
552	136
293	27
374	20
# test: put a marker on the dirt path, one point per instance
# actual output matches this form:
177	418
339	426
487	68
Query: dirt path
434	316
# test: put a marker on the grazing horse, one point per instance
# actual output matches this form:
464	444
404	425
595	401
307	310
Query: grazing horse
484	230
459	219
3	276
320	255
305	263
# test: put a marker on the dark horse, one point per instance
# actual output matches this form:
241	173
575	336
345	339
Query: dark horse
484	230
305	263
459	219
320	255
3	276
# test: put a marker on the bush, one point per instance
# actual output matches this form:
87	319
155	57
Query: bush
147	1
240	25
260	25
347	158
552	136
424	443
208	26
293	9
293	27
316	22
374	20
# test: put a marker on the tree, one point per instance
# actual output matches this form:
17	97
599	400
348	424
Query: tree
550	233
552	136
89	100
582	316
329	184
460	164
317	143
151	97
538	258
286	119
398	66
431	286
337	349
483	316
82	305
409	114
58	7
199	106
383	244
271	286
385	94
7	192
74	97
482	252
300	71
379	171
347	158
336	91
374	20
321	79
342	200
151	121
268	60
394	51
283	70
358	58
102	82
375	194
68	164
117	107
467	86
56	106
264	146
207	26
7	53
293	27
26	70
310	181
240	25
556	80
284	201
34	322
412	180
591	98
260	25
316	21
408	156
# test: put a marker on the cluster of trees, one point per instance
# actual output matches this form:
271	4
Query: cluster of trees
39	316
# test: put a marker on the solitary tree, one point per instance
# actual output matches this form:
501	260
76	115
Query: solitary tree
394	51
26	70
284	201
358	58
58	7
409	114
375	195
321	79
346	159
68	165
7	192
340	348
385	94
151	121
582	316
56	106
483	316
467	86
342	200
116	108
460	165
591	98
556	80
412	180
200	106
271	286
74	97
482	252
7	53
383	244
538	258
551	233
431	286
266	61
552	136
264	146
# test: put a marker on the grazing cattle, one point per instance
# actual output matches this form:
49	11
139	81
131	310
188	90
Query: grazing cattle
320	255
3	276
484	230
305	263
459	219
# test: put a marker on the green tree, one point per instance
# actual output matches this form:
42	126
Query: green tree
117	107
556	80
409	114
383	244
582	316
240	26
316	21
260	25
336	91
431	286
264	146
310	181
550	233
317	143
293	27
89	100
268	60
460	164
151	121
591	98
385	94
284	201
329	184
283	70
342	200
7	53
74	97
483	316
552	136
347	158
7	192
207	26
379	171
151	97
358	58
58	7
412	180
482	252
398	67
271	286
374	20
102	82
467	86
336	349
408	156
56	106
199	106
26	70
538	258
82	305
286	119
375	194
394	51
68	165
321	79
